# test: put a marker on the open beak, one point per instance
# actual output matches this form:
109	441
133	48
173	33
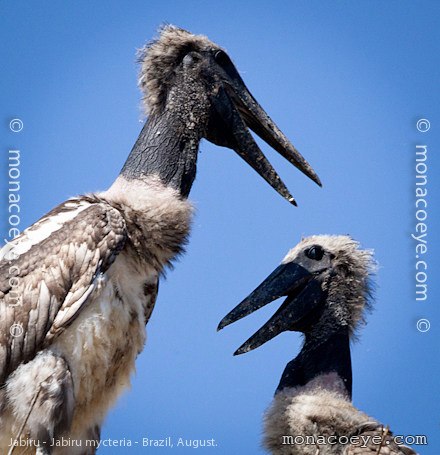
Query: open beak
303	292
238	110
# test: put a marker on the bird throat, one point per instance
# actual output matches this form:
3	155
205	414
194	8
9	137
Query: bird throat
165	148
320	358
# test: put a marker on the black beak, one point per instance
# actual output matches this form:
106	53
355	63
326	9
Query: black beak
237	109
303	292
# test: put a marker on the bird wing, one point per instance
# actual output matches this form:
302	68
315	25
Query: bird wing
47	273
375	439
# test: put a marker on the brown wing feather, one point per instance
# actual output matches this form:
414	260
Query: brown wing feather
43	289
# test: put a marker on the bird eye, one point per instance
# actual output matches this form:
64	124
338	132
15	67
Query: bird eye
190	58
187	60
222	58
315	252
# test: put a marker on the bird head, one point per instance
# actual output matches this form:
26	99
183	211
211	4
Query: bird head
185	72
326	282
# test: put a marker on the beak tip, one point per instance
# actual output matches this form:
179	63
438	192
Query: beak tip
286	194
223	323
244	348
317	180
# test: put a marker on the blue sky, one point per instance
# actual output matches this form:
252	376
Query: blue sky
347	82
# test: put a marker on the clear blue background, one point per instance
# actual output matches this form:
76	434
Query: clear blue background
346	81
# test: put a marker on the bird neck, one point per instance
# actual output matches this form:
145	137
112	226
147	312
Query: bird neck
318	358
165	148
